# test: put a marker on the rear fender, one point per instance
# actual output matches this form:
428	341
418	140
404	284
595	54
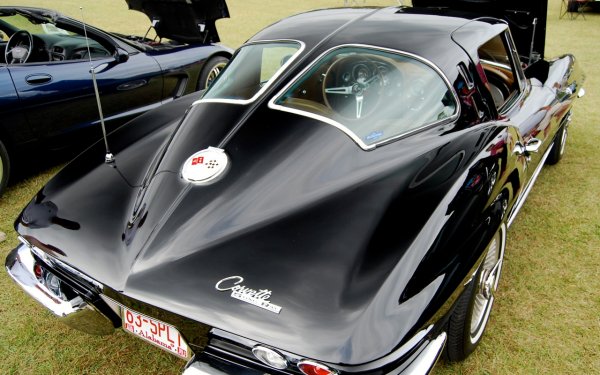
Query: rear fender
488	192
565	78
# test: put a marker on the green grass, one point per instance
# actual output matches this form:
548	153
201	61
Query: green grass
547	314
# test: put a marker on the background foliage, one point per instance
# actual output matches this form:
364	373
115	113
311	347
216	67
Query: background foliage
546	318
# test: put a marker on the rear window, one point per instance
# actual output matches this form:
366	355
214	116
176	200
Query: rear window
251	70
371	94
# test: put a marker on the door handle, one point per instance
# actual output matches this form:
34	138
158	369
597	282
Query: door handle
37	79
530	147
132	85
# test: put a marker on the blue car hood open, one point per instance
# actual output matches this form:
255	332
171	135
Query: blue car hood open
188	21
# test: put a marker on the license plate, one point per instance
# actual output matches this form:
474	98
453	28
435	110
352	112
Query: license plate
154	331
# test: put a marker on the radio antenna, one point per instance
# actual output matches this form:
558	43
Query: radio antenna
531	57
109	158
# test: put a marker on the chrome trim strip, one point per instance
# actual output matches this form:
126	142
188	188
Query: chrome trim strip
270	82
525	193
345	129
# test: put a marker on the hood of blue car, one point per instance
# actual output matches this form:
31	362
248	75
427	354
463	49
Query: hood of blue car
189	21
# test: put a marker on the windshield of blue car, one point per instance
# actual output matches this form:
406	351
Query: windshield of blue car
373	95
251	70
47	42
20	22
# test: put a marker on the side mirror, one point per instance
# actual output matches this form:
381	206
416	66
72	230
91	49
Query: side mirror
121	56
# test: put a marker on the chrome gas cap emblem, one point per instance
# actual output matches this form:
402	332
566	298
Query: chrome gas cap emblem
206	166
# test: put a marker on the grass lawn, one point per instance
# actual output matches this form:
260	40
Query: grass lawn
547	314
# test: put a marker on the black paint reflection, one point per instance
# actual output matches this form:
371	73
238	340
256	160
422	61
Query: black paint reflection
42	214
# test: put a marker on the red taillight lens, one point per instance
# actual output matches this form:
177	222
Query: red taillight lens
39	272
314	368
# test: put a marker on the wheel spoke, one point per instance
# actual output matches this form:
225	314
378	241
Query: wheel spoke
487	284
346	90
359	106
563	141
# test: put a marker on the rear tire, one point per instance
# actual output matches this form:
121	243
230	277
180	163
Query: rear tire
4	168
558	149
470	316
211	70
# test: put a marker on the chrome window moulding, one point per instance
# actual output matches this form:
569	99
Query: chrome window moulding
344	128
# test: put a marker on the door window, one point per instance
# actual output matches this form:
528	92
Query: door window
503	79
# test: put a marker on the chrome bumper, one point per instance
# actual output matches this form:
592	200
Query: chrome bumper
420	364
75	312
427	358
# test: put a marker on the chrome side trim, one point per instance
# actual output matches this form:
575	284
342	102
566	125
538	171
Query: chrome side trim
76	312
425	361
342	127
525	193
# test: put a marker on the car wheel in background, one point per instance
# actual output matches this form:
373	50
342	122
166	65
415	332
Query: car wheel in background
211	70
558	149
470	317
4	167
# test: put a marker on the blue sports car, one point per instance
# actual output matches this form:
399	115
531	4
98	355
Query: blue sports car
47	97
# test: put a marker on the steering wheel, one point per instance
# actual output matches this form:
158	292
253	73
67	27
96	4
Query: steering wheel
354	85
18	48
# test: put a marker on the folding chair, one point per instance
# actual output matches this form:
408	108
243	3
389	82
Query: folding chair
581	4
573	7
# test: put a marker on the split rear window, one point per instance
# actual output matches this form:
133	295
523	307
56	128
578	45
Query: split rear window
373	95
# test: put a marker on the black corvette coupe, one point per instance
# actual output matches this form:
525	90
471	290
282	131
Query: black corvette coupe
47	98
336	202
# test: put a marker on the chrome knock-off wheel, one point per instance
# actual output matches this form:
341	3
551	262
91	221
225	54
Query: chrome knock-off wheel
489	275
472	312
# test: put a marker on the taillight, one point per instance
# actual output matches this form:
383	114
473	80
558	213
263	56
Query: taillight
314	368
38	271
270	357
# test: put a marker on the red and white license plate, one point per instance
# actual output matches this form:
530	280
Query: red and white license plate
161	334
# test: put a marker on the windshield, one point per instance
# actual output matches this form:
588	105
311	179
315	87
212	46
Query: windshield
20	22
251	70
373	95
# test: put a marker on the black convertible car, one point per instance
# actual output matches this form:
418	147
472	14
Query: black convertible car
336	202
47	98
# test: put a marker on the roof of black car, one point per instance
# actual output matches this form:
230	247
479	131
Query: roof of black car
424	34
